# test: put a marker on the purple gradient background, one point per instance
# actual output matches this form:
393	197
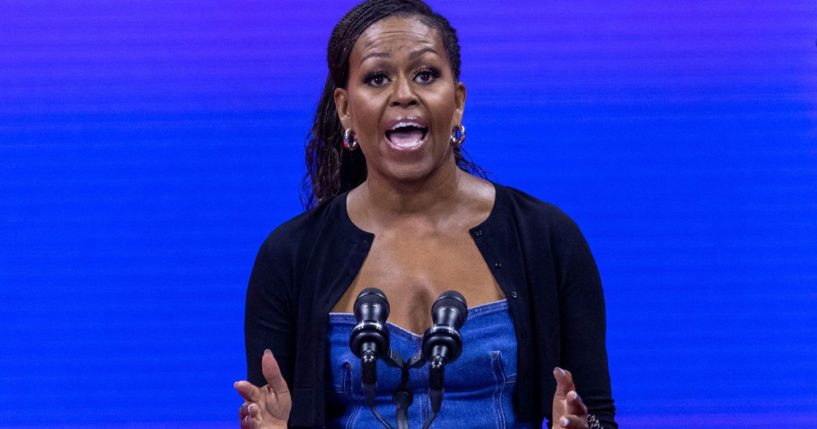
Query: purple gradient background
147	147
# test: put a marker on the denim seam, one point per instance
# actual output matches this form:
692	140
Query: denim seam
499	374
347	387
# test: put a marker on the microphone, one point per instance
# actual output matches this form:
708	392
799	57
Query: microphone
369	339
442	342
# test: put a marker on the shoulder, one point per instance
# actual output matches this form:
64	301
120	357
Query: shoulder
297	236
532	212
549	237
540	227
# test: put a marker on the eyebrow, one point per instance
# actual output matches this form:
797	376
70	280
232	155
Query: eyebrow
412	56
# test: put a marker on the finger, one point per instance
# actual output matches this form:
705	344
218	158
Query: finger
575	405
243	411
564	381
251	420
247	391
254	423
272	373
573	422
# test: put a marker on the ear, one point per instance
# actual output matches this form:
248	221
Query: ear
342	107
459	102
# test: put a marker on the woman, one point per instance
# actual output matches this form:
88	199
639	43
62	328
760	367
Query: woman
397	210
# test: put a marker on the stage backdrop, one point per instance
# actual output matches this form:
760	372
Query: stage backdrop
147	148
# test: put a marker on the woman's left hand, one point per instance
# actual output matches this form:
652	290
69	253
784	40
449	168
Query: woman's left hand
568	409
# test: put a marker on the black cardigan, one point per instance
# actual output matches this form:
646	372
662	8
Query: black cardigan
536	253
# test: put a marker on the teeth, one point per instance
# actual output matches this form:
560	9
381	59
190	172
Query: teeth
405	124
404	134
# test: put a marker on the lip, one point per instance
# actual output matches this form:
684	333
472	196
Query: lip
406	120
411	148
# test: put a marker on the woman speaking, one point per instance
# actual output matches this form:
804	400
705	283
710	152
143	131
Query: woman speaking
395	205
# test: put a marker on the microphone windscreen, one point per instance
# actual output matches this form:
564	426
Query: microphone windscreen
368	298
448	301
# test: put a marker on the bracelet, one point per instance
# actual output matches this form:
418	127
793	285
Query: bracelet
593	422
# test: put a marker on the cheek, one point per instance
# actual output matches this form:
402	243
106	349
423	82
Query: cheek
443	113
366	112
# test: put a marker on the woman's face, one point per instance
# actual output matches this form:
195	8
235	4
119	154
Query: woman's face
401	99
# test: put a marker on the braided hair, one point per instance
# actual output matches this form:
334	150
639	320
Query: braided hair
331	170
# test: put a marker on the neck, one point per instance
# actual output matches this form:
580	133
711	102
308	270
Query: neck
433	198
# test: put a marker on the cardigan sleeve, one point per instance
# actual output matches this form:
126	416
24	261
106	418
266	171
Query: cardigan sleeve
582	319
269	315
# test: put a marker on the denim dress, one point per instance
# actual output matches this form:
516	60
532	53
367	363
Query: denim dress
479	386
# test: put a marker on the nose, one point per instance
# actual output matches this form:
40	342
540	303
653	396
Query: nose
403	94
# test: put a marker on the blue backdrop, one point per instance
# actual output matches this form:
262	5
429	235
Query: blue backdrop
147	147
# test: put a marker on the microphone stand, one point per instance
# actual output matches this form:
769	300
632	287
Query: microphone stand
436	377
402	396
368	363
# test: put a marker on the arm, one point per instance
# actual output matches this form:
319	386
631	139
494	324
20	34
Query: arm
269	313
267	326
583	323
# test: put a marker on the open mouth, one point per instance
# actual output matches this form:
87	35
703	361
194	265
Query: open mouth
406	135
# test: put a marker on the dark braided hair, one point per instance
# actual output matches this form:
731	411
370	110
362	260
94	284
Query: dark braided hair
331	170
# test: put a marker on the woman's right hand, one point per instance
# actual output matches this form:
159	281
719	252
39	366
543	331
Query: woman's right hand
265	407
569	410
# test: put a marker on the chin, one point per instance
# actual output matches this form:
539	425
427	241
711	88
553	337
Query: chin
409	173
414	170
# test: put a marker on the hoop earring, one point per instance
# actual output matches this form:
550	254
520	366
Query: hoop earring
458	135
350	140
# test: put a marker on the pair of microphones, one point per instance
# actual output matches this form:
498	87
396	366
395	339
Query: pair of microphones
441	345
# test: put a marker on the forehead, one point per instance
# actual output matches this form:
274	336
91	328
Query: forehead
395	34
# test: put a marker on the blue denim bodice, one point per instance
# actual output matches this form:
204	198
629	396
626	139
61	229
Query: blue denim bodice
479	386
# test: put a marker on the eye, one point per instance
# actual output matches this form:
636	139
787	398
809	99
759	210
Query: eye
377	78
426	75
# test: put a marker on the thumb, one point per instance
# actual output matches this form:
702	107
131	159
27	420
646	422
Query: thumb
564	381
247	391
272	373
